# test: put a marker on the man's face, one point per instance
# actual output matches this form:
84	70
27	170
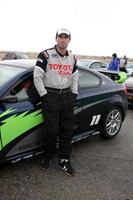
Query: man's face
62	41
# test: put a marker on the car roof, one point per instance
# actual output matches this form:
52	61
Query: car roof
30	63
23	63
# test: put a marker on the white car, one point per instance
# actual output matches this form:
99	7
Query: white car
129	67
93	64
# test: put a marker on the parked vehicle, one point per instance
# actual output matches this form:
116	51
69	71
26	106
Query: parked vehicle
100	108
129	86
129	67
15	55
93	64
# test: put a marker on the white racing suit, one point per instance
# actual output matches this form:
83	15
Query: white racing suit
56	80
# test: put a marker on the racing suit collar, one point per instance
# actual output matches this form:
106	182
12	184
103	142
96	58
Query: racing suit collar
67	54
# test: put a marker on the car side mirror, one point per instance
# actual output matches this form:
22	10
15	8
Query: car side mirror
9	99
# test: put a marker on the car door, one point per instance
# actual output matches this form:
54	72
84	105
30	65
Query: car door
20	120
92	98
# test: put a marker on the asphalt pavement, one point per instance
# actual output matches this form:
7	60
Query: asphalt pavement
104	171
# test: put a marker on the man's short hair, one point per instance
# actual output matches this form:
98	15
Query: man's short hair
114	55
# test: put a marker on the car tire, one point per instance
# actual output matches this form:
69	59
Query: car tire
112	123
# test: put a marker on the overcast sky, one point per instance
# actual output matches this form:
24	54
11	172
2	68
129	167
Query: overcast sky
98	27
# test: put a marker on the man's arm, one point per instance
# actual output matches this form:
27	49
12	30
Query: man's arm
39	74
74	81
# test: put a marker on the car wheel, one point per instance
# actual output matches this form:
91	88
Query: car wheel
111	123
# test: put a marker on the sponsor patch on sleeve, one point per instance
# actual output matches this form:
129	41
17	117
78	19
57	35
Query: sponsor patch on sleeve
46	55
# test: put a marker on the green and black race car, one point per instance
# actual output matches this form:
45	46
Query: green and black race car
100	108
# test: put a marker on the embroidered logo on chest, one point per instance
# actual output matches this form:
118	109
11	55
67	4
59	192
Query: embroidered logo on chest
62	69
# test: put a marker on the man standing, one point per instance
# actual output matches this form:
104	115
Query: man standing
56	79
115	62
123	63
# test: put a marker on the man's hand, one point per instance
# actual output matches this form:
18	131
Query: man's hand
44	98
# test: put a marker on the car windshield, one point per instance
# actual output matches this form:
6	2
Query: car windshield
83	63
8	72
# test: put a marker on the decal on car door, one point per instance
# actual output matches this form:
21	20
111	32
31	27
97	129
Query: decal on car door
17	124
95	120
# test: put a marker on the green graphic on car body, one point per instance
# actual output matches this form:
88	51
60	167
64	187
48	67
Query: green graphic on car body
16	125
10	110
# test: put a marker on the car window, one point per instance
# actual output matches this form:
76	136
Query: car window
21	56
15	55
8	72
95	65
25	90
98	65
20	90
104	65
83	63
88	80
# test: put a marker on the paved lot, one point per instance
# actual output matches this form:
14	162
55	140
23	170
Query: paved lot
104	172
